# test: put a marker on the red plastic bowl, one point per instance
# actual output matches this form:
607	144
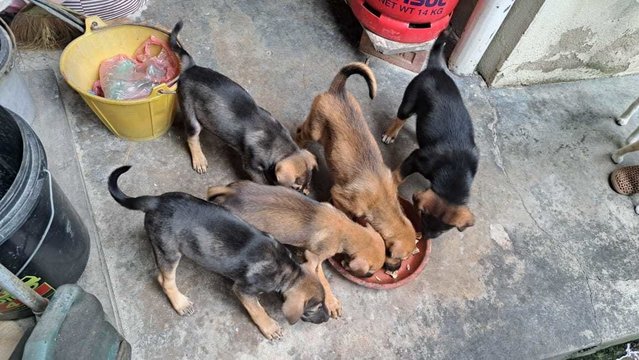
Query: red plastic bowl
381	280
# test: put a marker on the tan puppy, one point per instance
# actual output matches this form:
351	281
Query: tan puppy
364	186
300	221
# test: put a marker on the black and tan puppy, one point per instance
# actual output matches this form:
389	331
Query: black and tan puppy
363	184
297	220
179	224
212	101
447	155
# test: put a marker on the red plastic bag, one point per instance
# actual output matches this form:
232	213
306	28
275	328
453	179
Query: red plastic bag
123	77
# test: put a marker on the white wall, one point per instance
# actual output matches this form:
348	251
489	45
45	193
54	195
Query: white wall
564	40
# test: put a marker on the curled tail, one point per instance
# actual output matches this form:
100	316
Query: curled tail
436	57
144	203
216	191
185	59
337	86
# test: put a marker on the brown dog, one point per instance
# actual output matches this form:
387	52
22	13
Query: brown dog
297	220
364	185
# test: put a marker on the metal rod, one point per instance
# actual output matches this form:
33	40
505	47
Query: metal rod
14	286
60	14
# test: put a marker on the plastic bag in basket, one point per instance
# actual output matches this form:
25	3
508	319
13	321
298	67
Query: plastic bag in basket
125	78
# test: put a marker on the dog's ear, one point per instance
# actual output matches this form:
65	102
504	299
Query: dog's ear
462	218
427	202
293	306
310	159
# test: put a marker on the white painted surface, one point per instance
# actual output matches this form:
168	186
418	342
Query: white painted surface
478	33
571	40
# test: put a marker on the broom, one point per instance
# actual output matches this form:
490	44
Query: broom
44	25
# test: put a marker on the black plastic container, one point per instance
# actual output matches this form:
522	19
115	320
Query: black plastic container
42	239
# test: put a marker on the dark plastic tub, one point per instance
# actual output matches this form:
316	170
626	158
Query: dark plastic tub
42	239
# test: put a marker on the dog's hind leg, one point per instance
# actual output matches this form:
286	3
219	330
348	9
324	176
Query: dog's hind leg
269	327
310	130
192	129
166	278
406	109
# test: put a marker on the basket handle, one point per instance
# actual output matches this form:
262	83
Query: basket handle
163	89
92	23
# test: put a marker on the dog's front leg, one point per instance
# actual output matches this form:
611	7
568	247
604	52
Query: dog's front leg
269	327
409	166
332	304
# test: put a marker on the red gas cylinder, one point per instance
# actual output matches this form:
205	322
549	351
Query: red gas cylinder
407	21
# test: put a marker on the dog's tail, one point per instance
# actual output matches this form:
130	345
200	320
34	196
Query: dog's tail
216	191
436	58
337	86
186	60
144	203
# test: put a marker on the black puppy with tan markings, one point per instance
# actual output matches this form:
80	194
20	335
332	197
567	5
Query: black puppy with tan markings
179	224
212	101
447	154
363	184
297	220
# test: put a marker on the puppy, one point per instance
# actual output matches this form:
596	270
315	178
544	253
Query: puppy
363	185
447	155
297	220
210	100
179	224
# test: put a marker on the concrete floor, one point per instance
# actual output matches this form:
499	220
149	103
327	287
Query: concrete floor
549	269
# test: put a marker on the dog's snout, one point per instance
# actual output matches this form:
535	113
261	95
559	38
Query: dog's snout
364	276
392	264
317	317
431	234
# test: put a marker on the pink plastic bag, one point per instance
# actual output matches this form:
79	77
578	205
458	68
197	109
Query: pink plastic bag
124	78
165	65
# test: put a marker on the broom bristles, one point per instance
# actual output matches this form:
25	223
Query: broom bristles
34	28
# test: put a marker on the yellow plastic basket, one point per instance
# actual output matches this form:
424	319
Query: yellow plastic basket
140	119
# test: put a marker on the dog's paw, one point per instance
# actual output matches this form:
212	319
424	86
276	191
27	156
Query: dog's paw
184	306
388	139
271	330
333	306
200	165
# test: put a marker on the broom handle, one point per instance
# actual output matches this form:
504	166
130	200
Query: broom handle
61	13
14	286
